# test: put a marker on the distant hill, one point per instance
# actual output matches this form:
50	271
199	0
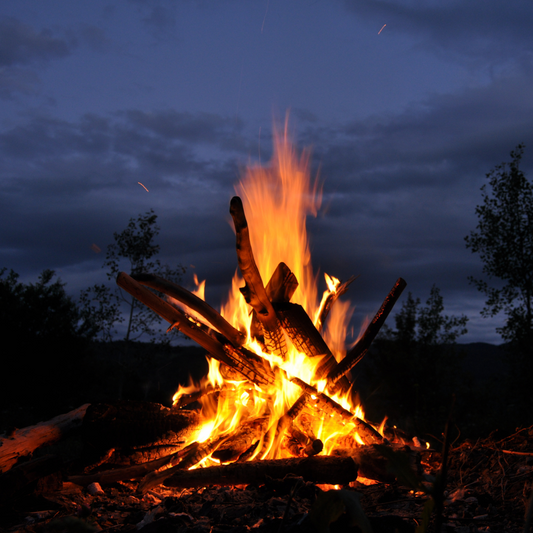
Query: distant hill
483	360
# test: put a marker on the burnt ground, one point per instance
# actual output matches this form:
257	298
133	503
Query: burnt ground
488	488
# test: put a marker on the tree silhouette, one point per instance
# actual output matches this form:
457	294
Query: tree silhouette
504	242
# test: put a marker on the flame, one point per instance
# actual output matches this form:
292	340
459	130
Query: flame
277	199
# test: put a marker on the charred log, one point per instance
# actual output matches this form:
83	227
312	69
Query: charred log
331	299
254	291
131	425
172	315
325	403
360	349
319	469
192	301
248	432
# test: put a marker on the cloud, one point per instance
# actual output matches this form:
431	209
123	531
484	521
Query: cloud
160	16
493	31
21	46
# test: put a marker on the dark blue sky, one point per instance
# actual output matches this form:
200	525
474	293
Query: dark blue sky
180	94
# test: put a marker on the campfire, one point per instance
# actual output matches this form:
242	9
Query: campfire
276	419
279	371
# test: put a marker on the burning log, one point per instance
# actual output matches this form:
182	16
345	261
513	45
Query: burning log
304	335
25	441
319	469
248	433
282	284
280	288
135	426
325	403
130	472
254	291
172	315
359	350
196	454
196	304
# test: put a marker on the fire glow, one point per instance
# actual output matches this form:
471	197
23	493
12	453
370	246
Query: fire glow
277	385
277	199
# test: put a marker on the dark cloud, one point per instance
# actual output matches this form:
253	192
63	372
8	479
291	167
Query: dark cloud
159	16
487	29
20	46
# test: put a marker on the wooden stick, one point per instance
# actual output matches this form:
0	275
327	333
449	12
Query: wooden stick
173	316
25	441
365	430
248	432
195	455
360	349
331	299
282	285
319	469
254	291
197	304
305	337
130	472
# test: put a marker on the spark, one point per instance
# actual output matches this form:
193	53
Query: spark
143	186
95	248
381	29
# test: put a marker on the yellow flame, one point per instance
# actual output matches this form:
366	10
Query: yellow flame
277	199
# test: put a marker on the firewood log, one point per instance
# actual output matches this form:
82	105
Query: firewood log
251	366
372	463
280	288
130	472
25	476
325	403
25	441
360	349
172	315
282	284
198	305
318	469
197	454
254	291
131	425
244	436
303	334
331	299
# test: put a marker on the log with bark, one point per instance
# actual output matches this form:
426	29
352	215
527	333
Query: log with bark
357	353
319	469
254	291
23	442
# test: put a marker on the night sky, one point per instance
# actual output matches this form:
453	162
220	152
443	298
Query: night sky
405	104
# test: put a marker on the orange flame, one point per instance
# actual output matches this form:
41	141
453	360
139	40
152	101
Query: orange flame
277	200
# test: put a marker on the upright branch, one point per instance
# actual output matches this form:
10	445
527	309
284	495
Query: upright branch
331	299
254	291
359	350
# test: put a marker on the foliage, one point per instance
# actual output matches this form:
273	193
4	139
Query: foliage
414	368
504	242
134	250
45	338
